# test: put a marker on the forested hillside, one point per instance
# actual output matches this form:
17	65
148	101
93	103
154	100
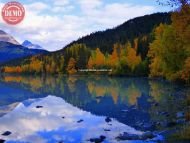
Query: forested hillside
123	49
154	45
140	28
170	51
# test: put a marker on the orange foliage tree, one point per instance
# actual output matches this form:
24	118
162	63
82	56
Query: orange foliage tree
96	60
71	68
132	58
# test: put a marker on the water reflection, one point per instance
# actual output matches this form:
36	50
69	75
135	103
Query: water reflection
137	102
51	120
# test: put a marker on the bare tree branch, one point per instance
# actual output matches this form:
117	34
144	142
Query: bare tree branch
173	3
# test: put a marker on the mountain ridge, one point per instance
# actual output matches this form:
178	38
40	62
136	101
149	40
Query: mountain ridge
129	30
30	45
4	37
9	51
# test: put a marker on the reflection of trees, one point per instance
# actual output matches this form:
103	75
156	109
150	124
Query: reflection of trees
71	82
170	99
158	90
95	93
101	90
119	89
114	94
33	83
133	93
36	84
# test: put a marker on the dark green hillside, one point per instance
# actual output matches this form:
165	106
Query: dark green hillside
134	28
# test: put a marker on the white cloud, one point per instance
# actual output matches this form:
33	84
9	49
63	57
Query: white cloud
37	7
116	13
87	5
61	2
42	25
60	9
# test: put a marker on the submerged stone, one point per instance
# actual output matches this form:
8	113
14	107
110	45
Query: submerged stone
108	119
107	130
144	136
98	97
147	135
80	121
98	140
127	136
165	114
2	141
39	106
7	133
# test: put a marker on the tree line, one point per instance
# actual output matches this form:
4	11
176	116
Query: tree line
165	52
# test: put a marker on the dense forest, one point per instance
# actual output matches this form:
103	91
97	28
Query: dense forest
154	45
107	49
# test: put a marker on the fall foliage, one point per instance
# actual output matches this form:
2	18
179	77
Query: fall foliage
71	68
164	53
170	51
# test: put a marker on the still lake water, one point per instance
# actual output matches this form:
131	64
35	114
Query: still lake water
74	109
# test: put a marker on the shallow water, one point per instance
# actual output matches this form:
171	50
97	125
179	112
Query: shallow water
32	108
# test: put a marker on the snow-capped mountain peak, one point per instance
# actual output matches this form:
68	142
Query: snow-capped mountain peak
30	45
4	37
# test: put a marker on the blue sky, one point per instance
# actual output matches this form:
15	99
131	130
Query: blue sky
55	23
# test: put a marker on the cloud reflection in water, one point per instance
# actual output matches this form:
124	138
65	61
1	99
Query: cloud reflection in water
55	121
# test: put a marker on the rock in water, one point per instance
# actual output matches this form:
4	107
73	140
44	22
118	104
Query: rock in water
127	136
39	106
80	121
98	140
2	141
147	135
7	133
108	119
107	130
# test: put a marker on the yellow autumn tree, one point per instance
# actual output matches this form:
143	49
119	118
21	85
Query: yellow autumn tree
90	63
35	65
185	73
71	68
100	58
133	59
97	59
169	53
16	69
180	20
114	57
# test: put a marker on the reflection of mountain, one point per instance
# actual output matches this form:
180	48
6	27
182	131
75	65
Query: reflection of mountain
129	100
98	95
28	123
6	109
